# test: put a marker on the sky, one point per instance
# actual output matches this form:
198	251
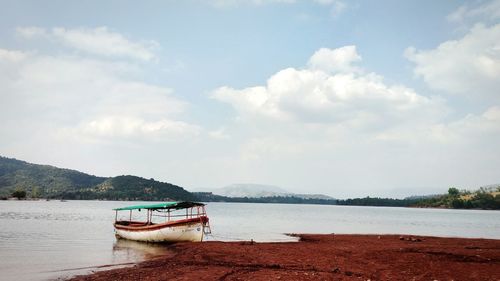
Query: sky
345	98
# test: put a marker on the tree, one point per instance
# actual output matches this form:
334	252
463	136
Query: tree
35	192
458	203
485	200
19	193
454	192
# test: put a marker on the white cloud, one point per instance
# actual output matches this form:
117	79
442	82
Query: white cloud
470	128
325	2
332	91
12	55
485	124
29	32
336	60
97	41
489	10
468	66
271	147
333	120
137	128
219	134
86	99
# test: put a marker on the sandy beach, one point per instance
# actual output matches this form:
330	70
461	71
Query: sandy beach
321	257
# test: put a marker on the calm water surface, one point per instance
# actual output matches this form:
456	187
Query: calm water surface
42	240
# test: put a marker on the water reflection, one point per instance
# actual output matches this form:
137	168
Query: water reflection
133	250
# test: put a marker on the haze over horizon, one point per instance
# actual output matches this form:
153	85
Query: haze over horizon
343	98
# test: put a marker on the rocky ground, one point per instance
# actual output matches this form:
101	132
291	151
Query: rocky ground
321	257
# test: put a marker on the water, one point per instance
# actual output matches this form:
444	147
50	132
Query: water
42	240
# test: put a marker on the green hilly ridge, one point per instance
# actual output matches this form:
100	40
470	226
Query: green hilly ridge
43	181
51	182
131	188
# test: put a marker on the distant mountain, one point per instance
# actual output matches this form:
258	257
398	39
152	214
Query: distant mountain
249	190
52	182
260	190
210	197
313	196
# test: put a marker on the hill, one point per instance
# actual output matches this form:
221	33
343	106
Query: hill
249	190
41	179
44	181
261	190
483	198
131	188
51	182
210	197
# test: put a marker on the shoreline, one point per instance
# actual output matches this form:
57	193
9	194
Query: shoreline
237	202
321	257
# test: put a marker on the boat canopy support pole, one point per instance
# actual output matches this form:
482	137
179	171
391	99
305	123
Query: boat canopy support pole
206	225
130	219
116	216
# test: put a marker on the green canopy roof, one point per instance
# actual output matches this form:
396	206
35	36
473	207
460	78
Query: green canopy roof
165	205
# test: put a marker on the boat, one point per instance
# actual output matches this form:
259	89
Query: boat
182	221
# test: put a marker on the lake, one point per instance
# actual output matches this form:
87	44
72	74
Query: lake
42	240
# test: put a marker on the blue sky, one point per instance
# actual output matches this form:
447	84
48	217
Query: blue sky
346	98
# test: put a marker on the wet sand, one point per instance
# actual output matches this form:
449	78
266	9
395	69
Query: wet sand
321	257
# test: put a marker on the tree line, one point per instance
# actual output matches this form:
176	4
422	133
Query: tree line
484	198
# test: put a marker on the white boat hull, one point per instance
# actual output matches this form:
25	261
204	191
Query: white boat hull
188	232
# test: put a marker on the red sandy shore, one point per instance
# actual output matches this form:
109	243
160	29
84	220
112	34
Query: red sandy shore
322	257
